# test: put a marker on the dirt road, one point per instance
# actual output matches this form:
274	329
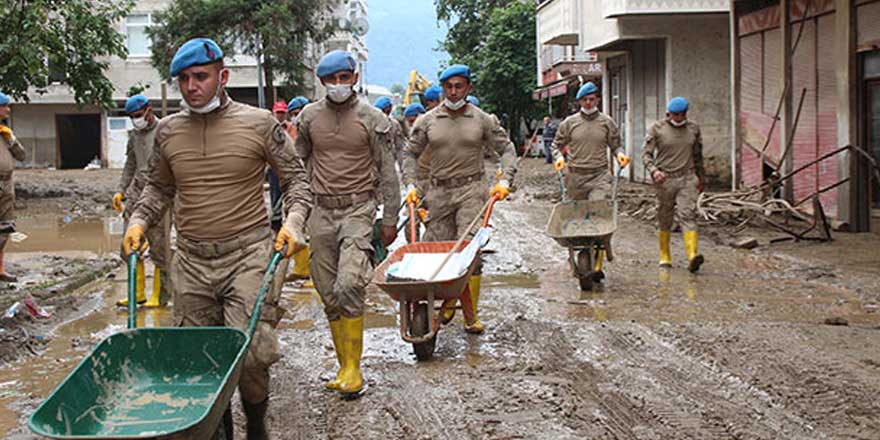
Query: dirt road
740	351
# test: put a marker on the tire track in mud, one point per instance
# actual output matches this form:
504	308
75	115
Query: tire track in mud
825	386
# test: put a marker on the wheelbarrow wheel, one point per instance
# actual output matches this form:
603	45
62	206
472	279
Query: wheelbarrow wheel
421	326
585	269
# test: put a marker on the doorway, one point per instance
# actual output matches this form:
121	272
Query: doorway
79	140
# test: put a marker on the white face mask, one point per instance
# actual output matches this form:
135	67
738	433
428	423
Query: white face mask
139	123
339	93
454	105
589	111
212	105
678	124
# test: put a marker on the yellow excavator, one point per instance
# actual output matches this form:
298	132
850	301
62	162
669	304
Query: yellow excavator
417	86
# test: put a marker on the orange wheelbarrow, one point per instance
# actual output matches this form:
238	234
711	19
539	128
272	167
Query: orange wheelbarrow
418	325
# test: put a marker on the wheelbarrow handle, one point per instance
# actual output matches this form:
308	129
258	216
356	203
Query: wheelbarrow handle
489	206
132	289
412	222
277	256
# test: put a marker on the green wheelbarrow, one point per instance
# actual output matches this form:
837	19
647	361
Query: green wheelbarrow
164	383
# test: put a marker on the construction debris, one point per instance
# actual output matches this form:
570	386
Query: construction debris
746	243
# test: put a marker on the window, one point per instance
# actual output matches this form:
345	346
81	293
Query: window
136	38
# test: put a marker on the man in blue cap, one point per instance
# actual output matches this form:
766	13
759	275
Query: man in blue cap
456	133
9	153
134	178
295	106
433	96
589	135
412	112
398	140
210	159
346	145
673	154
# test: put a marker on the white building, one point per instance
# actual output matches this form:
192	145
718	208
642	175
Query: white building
57	133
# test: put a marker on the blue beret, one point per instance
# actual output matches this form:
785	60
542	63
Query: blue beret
383	103
136	103
473	100
413	110
298	102
433	93
587	89
4	100
195	52
456	70
335	61
677	105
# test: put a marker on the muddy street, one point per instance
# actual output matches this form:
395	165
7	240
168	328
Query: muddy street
742	350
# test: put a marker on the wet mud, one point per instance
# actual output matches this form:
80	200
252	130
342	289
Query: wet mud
739	351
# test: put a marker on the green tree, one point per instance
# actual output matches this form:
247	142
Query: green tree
69	41
398	89
496	38
280	30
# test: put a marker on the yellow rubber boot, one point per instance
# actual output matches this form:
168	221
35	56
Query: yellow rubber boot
155	297
336	331
351	381
695	260
140	285
475	327
449	313
665	258
598	275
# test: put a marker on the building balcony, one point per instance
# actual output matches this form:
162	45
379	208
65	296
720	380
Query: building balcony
620	8
560	21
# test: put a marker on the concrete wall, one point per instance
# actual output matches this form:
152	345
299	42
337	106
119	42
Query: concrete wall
34	125
697	56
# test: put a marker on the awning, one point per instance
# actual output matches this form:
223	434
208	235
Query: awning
557	88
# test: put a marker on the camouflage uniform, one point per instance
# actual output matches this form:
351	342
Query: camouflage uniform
678	152
588	137
457	191
214	165
347	151
9	153
134	177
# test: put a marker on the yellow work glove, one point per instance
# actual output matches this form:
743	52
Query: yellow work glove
134	240
623	160
6	132
502	190
423	214
559	165
117	201
290	235
412	195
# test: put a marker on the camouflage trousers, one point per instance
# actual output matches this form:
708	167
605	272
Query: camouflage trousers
453	209
7	207
677	196
594	185
340	257
216	284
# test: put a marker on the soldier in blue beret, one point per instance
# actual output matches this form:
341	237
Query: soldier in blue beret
211	159
673	154
456	133
295	106
10	152
473	100
589	135
134	177
346	143
433	96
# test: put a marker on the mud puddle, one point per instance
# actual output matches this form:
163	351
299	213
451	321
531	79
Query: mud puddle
54	233
25	383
